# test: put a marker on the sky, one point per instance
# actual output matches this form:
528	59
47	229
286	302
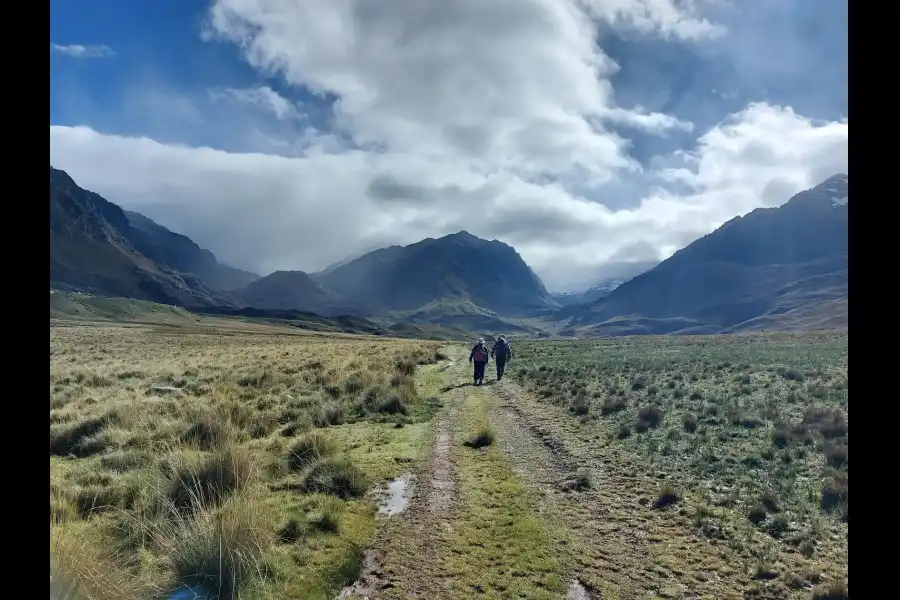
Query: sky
292	134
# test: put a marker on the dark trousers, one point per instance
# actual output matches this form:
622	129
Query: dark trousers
501	365
479	370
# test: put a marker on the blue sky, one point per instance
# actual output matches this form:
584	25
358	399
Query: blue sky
292	134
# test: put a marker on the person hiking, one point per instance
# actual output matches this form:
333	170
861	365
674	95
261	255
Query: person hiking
479	356
501	353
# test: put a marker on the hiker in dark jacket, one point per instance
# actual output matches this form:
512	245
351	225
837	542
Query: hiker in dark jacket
501	353
479	356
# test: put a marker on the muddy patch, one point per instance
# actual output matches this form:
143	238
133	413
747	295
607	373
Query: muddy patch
579	591
440	497
370	581
429	502
396	497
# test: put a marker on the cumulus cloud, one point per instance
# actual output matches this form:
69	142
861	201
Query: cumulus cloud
490	117
82	51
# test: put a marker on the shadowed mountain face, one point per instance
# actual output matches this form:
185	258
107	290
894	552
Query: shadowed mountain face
457	267
775	268
181	253
295	290
770	262
93	247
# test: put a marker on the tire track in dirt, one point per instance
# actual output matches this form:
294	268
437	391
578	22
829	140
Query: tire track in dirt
413	544
620	547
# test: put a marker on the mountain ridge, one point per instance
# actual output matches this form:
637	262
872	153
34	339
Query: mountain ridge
739	271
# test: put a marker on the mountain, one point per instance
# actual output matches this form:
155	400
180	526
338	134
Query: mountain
458	267
181	253
94	248
623	272
294	290
774	265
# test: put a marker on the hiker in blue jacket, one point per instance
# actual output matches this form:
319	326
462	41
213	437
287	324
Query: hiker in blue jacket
501	352
479	356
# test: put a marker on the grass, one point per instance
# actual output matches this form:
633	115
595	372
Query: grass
233	460
753	426
499	547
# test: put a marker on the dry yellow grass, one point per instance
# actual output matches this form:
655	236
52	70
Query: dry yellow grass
171	450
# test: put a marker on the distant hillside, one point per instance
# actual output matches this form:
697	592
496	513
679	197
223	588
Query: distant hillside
85	307
771	262
181	253
295	290
487	274
76	306
94	248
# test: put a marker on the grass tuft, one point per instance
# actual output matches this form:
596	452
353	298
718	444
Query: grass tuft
336	476
482	438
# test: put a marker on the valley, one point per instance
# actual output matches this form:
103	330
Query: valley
779	268
251	461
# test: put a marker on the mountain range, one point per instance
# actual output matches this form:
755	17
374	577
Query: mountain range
783	267
773	268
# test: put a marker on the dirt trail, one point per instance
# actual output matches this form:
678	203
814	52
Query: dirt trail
620	546
412	545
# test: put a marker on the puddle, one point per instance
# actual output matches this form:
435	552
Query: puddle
396	497
189	593
577	591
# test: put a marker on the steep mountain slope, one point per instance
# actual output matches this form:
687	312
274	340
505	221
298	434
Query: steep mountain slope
94	248
769	262
487	274
181	253
294	290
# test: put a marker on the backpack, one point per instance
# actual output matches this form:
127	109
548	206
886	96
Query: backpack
480	354
500	348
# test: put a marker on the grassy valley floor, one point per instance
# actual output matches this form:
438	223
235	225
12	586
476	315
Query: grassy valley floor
251	464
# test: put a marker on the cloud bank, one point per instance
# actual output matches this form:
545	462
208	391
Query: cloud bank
499	118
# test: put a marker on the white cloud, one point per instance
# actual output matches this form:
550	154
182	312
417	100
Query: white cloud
261	98
82	51
669	17
484	116
267	212
516	85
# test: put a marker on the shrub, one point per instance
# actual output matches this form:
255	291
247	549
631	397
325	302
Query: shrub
221	552
834	591
207	432
836	454
209	480
583	480
483	437
80	569
392	404
689	422
336	476
68	438
639	383
668	496
308	449
651	416
330	413
406	367
835	493
612	404
581	404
